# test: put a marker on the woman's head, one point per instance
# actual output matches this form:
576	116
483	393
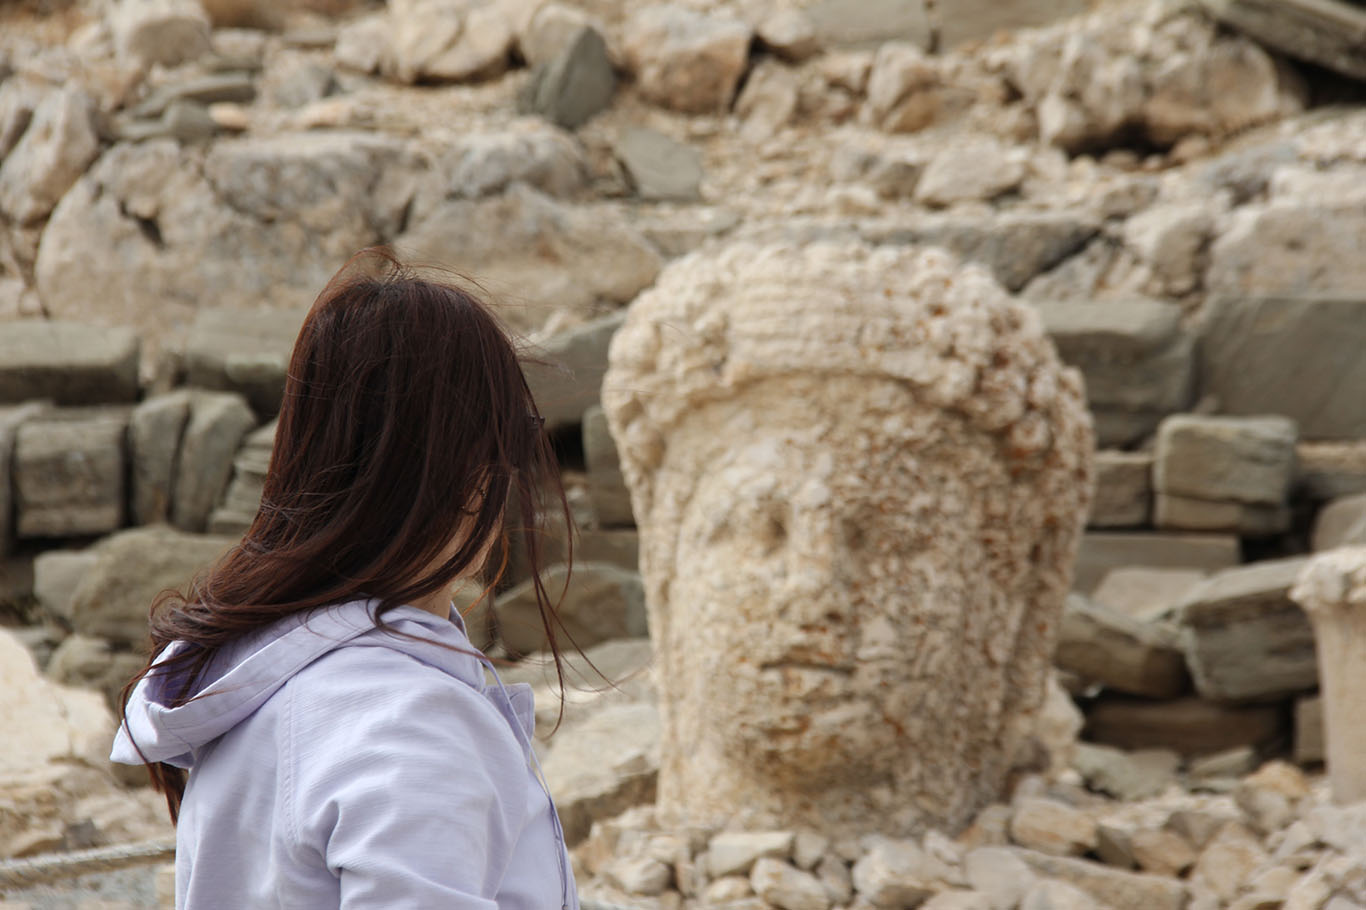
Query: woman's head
406	435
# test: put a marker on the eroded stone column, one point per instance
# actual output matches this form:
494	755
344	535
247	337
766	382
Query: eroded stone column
860	475
1332	590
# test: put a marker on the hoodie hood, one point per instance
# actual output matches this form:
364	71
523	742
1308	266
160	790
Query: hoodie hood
245	674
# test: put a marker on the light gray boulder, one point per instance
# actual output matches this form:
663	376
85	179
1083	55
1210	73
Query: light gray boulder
1138	362
1123	490
658	166
68	363
574	84
132	568
243	350
155	429
160	31
566	374
606	487
56	576
1297	356
604	766
1240	459
1341	522
1102	552
602	602
52	153
217	424
868	23
1119	651
1245	639
69	473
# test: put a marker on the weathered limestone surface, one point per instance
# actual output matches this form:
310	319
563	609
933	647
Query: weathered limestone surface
565	375
69	472
1138	362
154	433
684	60
133	566
1245	639
1330	33
1101	553
217	423
1332	590
602	602
1300	358
1121	652
68	363
11	419
244	351
1124	490
845	447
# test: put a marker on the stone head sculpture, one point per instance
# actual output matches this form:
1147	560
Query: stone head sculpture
860	476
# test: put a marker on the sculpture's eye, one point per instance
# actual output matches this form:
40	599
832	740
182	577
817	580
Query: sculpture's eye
772	531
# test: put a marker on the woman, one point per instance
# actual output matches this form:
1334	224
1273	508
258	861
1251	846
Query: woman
341	745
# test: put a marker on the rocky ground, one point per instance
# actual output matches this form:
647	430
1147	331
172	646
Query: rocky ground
1182	203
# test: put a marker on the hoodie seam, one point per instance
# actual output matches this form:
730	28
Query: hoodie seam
291	815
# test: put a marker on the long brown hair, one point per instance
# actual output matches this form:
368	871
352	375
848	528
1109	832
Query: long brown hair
406	421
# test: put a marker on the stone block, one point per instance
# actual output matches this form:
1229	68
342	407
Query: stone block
1244	638
68	363
611	499
566	374
1299	358
1309	743
243	350
1187	513
217	424
132	568
1329	33
242	500
11	418
1124	490
93	664
1120	652
154	432
970	20
1113	888
604	766
54	150
1341	523
68	473
685	60
56	576
869	23
1141	774
1138	362
574	85
659	167
617	546
1144	593
1102	552
160	31
601	602
1239	459
1189	726
735	852
1329	470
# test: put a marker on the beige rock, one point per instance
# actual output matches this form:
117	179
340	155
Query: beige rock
1332	589
601	602
1229	861
603	766
1052	827
1189	513
160	31
901	84
52	153
727	889
552	28
1244	459
969	172
363	44
536	255
1271	796
789	33
90	663
68	473
734	853
1328	470
1172	239
1123	490
639	875
684	60
1161	851
1125	654
958	900
1144	593
134	566
1127	775
768	100
759	449
891	874
1056	895
787	887
1102	553
1113	888
1341	522
1000	874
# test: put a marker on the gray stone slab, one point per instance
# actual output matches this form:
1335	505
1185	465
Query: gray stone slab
1329	33
69	363
1341	522
243	351
154	433
659	167
1120	652
606	487
958	21
56	576
1188	513
69	469
1329	470
1245	639
868	23
1101	552
11	418
575	84
1123	490
1138	362
218	423
1190	726
1241	459
566	374
1300	358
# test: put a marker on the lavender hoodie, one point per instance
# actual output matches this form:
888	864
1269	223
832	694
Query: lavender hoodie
333	764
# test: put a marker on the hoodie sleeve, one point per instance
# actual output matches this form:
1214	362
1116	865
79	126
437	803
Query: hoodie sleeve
405	783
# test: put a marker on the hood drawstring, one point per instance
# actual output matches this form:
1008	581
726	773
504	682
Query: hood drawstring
562	853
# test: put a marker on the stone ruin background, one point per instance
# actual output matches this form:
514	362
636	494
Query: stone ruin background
1176	190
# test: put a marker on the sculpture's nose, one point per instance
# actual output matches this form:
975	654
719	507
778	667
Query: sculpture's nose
816	593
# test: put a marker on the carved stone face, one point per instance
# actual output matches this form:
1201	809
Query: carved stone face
816	608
